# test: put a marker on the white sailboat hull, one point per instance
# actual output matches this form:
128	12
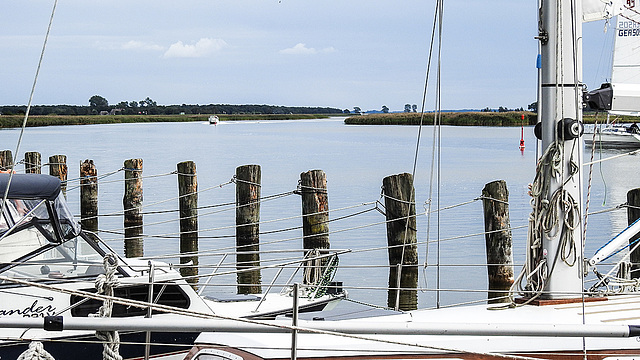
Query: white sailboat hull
612	136
616	140
474	332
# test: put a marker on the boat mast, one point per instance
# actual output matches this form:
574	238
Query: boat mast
558	206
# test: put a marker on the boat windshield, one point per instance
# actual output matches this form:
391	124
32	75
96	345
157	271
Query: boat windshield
70	227
26	226
18	212
74	258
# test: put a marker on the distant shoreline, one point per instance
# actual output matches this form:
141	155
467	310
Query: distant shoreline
13	121
510	118
470	118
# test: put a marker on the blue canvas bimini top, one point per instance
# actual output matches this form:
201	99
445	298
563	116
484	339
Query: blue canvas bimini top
30	186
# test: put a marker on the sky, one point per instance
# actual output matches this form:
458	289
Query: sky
335	53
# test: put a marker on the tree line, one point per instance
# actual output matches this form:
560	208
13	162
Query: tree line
503	109
100	105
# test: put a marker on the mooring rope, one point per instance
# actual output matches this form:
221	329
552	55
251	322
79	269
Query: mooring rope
228	227
35	351
78	179
105	284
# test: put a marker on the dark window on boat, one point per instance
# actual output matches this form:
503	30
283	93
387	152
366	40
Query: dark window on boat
170	295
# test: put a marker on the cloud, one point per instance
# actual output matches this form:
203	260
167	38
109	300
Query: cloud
299	49
302	49
204	47
139	45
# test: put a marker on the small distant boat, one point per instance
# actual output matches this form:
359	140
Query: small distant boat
213	119
613	135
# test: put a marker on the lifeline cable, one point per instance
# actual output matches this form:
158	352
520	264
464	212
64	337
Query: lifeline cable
26	113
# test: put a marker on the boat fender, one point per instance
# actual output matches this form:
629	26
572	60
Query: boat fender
537	131
634	330
53	323
569	129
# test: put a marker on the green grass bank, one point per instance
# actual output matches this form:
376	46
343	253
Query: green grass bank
13	121
512	118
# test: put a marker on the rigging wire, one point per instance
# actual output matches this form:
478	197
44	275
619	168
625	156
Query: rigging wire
578	149
605	50
438	116
423	108
600	170
26	114
589	181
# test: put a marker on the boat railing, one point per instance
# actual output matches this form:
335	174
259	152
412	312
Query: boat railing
215	270
312	260
323	261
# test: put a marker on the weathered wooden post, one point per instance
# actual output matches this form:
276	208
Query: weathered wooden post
248	189
132	204
58	168
399	202
633	213
32	162
6	160
89	196
495	202
188	191
315	220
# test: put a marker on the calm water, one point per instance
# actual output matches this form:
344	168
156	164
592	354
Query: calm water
355	158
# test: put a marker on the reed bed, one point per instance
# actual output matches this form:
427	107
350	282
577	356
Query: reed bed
510	118
13	121
471	118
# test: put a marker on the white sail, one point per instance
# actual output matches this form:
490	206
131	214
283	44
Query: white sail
625	74
594	10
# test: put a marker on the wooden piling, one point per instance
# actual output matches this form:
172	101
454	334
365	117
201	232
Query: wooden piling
188	191
315	220
6	160
399	200
497	227
32	162
132	205
248	190
89	196
58	168
633	213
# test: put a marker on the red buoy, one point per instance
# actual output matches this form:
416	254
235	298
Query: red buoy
521	147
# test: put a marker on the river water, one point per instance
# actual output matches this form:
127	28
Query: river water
355	159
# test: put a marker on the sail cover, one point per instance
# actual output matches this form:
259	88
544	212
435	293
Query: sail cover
594	10
625	74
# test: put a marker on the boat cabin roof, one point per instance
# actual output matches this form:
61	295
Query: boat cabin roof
30	186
